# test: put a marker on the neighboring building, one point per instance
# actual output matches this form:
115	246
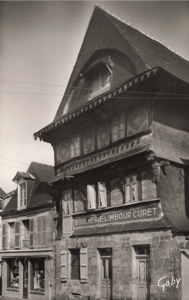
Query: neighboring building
27	236
121	140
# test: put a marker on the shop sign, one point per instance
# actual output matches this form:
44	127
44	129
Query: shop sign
119	216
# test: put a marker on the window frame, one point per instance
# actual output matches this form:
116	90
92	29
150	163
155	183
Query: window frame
34	261
119	118
23	194
75	152
67	217
129	184
10	272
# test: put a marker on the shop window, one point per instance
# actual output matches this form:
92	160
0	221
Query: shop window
99	79
41	231
13	273
131	188
38	274
118	127
75	145
74	264
67	211
23	198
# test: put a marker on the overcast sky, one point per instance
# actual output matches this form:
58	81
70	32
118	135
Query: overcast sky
39	44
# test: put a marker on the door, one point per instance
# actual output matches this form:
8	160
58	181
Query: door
185	273
143	278
25	279
106	277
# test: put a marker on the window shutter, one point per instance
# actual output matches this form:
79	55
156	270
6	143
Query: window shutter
39	232
31	229
67	211
91	196
84	264
25	194
17	235
102	194
4	237
134	185
127	189
63	265
44	231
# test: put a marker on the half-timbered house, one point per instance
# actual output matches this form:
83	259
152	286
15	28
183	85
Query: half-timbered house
121	140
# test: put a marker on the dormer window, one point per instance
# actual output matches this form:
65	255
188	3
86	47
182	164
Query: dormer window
100	80
23	194
98	75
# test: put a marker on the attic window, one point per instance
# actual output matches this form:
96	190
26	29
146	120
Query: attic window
99	78
22	195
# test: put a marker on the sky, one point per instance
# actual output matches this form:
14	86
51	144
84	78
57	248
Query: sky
39	44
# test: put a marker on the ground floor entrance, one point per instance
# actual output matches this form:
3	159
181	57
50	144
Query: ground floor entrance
106	273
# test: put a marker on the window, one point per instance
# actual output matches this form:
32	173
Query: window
38	274
26	237
41	232
13	273
11	237
118	127
102	194
116	193
75	145
74	264
131	188
23	194
103	135
99	79
137	121
4	237
79	202
67	211
91	196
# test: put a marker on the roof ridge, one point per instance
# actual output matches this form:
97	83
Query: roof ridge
42	164
139	30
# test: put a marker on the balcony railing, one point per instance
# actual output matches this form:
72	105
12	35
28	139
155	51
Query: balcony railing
26	243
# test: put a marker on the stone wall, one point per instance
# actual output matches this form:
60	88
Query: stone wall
165	261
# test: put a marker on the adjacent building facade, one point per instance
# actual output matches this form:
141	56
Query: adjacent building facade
27	236
121	140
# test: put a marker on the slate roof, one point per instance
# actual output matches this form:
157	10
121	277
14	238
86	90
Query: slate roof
40	188
107	32
1	192
166	138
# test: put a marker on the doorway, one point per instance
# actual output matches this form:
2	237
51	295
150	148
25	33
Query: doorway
25	278
106	273
142	271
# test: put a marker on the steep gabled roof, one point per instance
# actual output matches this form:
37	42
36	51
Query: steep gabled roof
107	32
1	192
40	190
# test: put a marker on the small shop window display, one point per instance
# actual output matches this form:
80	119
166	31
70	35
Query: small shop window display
38	275
13	274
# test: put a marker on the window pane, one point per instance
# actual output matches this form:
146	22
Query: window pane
13	273
38	274
105	76
75	263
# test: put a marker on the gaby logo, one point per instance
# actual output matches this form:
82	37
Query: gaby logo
163	283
